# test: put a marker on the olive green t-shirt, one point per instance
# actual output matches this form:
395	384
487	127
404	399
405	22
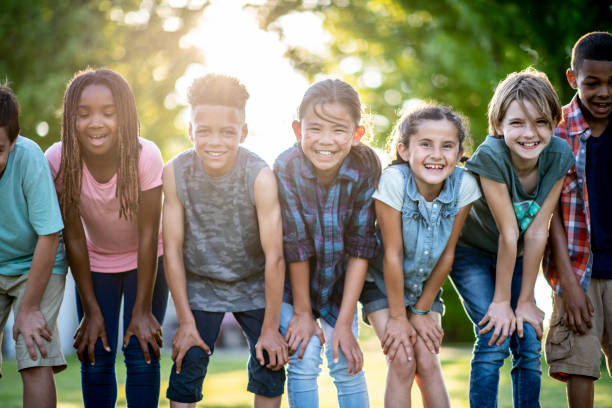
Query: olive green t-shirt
492	160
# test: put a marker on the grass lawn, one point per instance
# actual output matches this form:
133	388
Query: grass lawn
226	383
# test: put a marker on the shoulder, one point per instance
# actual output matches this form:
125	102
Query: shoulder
252	159
27	152
149	151
287	158
180	159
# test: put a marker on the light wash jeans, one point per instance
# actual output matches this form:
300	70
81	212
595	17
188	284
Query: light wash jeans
302	375
473	275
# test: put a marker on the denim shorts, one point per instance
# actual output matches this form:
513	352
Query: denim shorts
373	299
187	386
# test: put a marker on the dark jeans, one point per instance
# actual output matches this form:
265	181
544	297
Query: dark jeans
187	386
98	381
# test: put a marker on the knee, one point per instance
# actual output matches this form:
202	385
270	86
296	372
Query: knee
307	368
494	354
428	366
135	360
35	374
401	369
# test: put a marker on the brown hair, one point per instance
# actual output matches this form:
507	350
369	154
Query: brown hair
336	91
527	85
216	89
9	112
408	125
128	183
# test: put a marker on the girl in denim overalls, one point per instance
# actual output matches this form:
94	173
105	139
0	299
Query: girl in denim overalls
421	203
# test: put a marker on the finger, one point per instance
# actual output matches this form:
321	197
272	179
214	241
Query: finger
358	356
90	351
15	333
540	330
495	335
205	347
487	328
571	323
393	349
273	359
435	342
155	346
484	320
30	346
335	353
408	350
590	306
46	333
519	326
302	346
179	361
503	335
259	354
126	338
429	344
41	346
320	335
80	352
144	346
285	354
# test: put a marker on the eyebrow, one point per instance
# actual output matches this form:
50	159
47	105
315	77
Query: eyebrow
108	105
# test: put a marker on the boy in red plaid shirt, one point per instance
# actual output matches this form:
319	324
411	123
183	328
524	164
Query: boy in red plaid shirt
579	263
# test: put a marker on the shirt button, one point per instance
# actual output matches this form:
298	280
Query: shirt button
428	228
426	252
435	205
420	269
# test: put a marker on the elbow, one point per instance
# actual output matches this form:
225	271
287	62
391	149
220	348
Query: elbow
275	261
509	237
536	235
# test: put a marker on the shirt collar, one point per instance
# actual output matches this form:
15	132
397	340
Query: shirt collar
446	195
573	114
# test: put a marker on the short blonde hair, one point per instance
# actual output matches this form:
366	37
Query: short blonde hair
531	85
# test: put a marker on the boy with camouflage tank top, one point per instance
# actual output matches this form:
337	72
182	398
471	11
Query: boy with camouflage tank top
223	246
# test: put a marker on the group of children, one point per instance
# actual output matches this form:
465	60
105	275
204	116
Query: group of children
291	251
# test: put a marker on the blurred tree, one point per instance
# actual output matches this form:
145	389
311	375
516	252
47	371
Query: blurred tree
45	42
451	51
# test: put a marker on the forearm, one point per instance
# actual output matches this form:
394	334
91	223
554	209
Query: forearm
299	273
274	285
506	259
40	271
394	282
147	272
353	284
177	283
560	252
535	244
78	260
434	282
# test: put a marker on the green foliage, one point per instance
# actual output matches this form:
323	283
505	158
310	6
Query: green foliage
451	51
45	42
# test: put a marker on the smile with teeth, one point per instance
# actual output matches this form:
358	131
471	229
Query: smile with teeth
434	166
326	153
529	144
96	137
215	154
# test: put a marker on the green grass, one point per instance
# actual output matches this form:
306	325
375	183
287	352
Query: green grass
226	382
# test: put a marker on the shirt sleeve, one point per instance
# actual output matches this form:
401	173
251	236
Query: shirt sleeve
469	190
54	158
391	188
43	208
485	163
360	238
150	165
297	243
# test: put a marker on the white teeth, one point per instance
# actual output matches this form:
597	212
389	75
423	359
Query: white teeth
215	154
434	166
97	137
530	144
324	152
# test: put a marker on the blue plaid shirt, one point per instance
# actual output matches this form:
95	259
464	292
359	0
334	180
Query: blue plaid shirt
325	225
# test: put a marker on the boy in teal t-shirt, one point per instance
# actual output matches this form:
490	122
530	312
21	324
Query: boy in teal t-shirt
32	261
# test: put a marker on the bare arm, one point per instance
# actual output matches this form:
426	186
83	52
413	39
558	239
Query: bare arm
30	322
429	329
92	325
271	237
578	307
535	239
143	324
173	232
500	316
398	332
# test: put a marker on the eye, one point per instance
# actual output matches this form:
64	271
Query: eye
203	132
425	144
109	113
82	114
542	122
228	133
448	146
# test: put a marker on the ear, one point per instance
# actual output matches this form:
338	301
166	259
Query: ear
571	78
191	132
402	151
460	154
297	130
359	132
499	130
245	132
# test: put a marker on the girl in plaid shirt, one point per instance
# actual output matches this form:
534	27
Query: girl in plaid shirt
326	184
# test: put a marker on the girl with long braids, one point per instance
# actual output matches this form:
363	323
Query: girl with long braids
109	185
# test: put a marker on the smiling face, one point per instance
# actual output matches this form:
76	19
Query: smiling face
216	132
432	153
594	84
326	134
97	121
6	146
526	132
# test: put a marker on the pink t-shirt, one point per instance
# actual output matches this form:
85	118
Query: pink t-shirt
112	242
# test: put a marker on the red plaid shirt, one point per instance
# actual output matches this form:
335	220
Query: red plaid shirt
574	200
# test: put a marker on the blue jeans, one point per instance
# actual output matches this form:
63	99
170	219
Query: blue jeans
98	382
302	375
473	275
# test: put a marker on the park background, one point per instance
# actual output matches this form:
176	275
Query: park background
394	52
